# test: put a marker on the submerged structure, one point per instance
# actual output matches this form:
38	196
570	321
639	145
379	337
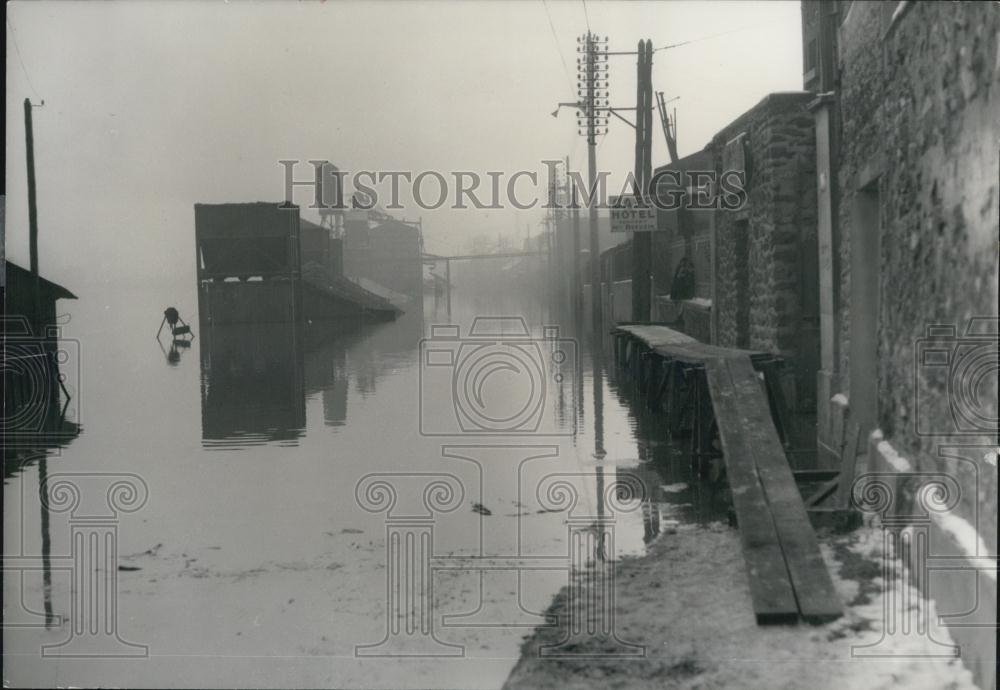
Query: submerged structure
250	268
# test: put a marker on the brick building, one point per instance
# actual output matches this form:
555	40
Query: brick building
907	117
766	289
755	280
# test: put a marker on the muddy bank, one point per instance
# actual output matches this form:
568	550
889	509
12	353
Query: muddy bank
686	603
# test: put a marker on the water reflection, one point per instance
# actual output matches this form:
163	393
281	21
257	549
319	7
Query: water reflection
344	391
255	378
252	386
667	464
173	354
35	426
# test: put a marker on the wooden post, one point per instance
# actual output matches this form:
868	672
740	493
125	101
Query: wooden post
577	277
447	279
642	242
36	318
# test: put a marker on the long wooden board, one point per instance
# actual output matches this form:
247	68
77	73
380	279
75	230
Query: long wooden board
787	574
770	586
654	336
814	590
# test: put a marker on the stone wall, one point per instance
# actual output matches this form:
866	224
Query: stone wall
920	103
766	267
918	99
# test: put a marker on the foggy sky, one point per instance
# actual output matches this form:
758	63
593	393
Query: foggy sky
151	107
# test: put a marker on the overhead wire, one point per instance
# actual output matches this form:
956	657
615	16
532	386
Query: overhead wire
555	38
20	59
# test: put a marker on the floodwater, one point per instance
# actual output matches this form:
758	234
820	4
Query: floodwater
270	467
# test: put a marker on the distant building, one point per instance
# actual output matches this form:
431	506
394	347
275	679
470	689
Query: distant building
387	252
259	262
19	295
321	251
682	235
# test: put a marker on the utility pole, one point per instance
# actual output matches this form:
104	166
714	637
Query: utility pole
592	88
32	219
642	243
573	265
669	126
447	279
551	243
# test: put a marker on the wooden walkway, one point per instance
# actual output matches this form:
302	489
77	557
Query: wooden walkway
721	389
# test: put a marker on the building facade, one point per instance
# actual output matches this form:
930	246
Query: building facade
747	277
389	254
766	286
907	119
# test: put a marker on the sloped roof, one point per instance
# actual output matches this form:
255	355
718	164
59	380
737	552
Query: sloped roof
699	160
343	288
394	225
15	272
305	224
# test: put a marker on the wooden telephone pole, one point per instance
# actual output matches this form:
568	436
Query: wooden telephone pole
36	318
592	121
642	243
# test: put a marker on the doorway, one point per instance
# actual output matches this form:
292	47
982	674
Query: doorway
866	256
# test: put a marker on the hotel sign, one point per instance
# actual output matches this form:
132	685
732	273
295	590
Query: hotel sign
631	215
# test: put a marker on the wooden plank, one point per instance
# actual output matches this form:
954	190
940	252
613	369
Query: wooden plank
815	475
653	336
698	352
675	401
776	398
770	585
814	590
848	464
828	487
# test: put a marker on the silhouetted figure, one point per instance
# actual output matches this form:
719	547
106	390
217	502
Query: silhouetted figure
683	284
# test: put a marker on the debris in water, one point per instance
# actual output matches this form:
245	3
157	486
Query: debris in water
128	568
481	509
351	530
673	488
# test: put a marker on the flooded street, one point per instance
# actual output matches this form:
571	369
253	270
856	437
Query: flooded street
254	561
501	345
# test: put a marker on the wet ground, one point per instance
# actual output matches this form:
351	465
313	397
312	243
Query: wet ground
685	607
297	489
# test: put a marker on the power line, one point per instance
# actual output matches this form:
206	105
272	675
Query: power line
555	38
17	50
703	38
586	15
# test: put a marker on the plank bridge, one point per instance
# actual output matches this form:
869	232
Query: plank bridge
736	394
